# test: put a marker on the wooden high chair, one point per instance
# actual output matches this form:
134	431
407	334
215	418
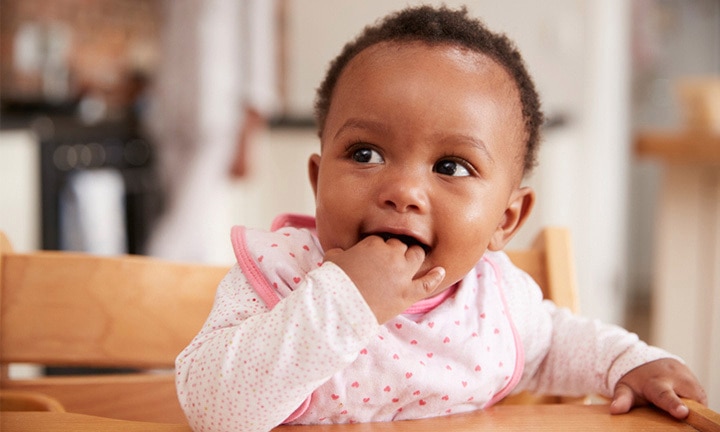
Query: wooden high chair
77	310
71	309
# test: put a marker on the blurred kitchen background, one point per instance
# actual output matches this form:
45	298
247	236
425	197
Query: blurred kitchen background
108	107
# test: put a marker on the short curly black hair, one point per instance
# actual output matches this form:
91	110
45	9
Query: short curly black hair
441	25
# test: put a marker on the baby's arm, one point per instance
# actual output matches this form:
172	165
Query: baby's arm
572	355
250	368
586	356
566	354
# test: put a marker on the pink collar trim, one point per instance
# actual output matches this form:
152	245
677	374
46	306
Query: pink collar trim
430	303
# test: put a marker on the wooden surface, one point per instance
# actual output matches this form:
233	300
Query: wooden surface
13	400
679	147
34	421
141	396
85	310
499	418
561	286
129	312
702	418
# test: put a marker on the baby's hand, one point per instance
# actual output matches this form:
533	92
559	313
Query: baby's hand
662	383
384	273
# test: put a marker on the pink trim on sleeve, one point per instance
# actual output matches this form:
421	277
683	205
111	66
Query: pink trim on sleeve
519	351
262	287
252	272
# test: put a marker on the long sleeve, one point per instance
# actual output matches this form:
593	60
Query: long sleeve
566	354
250	367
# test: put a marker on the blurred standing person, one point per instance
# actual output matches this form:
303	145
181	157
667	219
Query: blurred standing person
215	85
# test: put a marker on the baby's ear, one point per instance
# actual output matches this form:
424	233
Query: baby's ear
314	171
518	209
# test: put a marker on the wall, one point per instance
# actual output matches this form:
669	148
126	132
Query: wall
20	190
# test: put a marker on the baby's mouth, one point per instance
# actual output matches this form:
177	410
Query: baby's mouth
408	240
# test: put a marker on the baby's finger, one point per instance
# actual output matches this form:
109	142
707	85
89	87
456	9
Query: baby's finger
415	254
664	397
623	399
431	280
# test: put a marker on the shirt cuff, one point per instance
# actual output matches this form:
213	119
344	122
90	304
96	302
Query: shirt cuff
637	355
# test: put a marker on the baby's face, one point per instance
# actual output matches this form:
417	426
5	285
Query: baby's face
424	144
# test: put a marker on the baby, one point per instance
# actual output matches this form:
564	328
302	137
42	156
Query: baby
396	301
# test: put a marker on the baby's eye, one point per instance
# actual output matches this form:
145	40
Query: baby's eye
451	168
366	155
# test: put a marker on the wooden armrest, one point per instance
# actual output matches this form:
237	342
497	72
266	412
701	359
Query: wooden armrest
701	417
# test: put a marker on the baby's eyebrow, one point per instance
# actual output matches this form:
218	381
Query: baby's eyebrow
364	124
470	140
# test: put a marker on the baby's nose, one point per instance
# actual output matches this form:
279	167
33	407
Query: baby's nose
405	192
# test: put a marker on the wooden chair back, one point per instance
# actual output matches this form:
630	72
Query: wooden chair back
550	262
71	309
78	310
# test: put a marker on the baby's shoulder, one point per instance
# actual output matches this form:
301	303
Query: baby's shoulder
515	282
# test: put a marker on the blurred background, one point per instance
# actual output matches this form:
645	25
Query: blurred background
151	126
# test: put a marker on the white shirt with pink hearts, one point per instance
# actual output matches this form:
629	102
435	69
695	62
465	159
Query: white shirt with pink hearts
290	339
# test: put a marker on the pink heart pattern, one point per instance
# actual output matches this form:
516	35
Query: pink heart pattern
448	353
